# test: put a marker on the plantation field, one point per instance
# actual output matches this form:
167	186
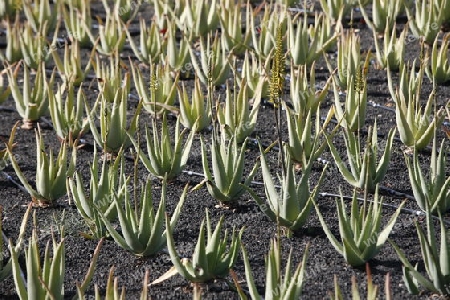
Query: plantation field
324	264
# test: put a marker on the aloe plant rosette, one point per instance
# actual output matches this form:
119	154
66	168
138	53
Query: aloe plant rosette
211	258
291	206
436	260
226	182
144	235
361	234
51	173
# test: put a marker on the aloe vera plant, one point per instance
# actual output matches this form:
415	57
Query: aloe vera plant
197	18
142	230
440	67
432	192
111	34
114	131
166	158
102	188
256	74
31	102
13	52
364	172
383	15
34	47
40	12
235	114
361	233
335	10
177	55
349	59
308	42
77	19
159	95
304	135
68	113
70	68
425	19
353	116
304	95
214	62
211	258
151	45
277	286
436	260
51	173
46	280
235	37
226	182
391	56
322	33
263	35
195	112
163	12
372	290
409	81
109	76
123	9
291	206
6	269
416	126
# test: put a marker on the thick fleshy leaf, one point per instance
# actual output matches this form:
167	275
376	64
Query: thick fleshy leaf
338	246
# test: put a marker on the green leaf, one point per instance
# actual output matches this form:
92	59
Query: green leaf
181	268
249	276
339	247
412	271
384	234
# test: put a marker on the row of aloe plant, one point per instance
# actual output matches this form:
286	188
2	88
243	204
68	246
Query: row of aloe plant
133	237
163	89
200	18
103	138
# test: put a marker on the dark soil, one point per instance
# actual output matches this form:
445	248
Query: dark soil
323	262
